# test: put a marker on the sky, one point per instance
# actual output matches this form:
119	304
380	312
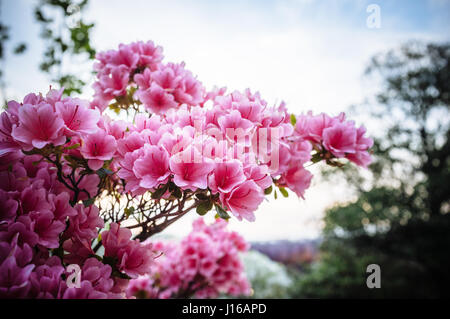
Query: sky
309	53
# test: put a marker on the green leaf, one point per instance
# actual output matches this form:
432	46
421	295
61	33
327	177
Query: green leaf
115	108
177	193
72	147
103	172
283	191
204	207
334	163
160	192
20	48
317	157
275	195
201	196
293	119
31	152
221	212
128	211
88	202
121	275
268	190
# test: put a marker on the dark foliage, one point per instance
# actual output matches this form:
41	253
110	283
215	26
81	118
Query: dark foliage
401	218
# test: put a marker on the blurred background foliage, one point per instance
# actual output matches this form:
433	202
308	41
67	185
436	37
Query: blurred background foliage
269	279
400	216
400	219
66	38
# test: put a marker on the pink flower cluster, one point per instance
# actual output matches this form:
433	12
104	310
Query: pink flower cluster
130	256
40	121
235	148
160	149
159	86
41	233
204	264
52	120
58	155
335	135
34	213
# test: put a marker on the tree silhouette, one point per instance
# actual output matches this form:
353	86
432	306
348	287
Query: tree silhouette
401	219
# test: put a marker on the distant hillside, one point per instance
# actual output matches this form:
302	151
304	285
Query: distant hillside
294	253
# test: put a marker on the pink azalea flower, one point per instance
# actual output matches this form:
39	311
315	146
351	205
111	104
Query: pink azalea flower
84	224
297	179
33	99
135	258
77	117
7	144
12	111
22	253
153	167
157	100
144	122
301	151
98	147
14	280
150	55
166	77
88	184
53	96
250	110
311	127
98	274
33	198
243	200
190	169
115	84
47	228
226	176
8	207
46	281
141	287
215	92
114	239
38	126
23	229
117	129
259	174
143	80
127	173
61	207
177	141
77	250
130	143
124	57
234	126
340	139
361	156
190	90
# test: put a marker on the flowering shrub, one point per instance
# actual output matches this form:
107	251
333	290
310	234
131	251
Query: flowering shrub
204	264
75	183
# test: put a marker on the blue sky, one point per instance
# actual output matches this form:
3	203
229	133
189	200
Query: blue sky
309	53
